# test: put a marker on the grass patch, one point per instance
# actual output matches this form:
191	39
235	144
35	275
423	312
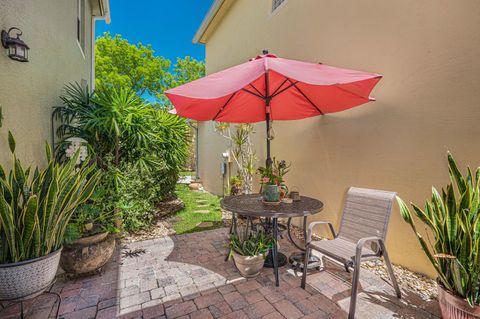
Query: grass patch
187	173
187	219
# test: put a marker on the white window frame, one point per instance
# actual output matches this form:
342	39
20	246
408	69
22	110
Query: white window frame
80	26
280	6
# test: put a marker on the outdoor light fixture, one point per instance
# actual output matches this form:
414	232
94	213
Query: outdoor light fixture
17	49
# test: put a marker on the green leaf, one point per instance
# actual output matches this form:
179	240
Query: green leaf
11	142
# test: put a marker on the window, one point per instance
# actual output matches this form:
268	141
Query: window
276	4
81	24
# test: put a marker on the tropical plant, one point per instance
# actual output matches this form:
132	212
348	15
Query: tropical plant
251	244
236	184
35	207
241	150
140	149
274	174
454	219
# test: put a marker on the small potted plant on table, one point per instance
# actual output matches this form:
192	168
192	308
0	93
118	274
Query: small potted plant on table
35	208
250	251
453	216
272	180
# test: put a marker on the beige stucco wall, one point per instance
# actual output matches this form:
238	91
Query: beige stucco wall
427	103
29	90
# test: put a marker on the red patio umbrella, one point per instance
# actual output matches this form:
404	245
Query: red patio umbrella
269	88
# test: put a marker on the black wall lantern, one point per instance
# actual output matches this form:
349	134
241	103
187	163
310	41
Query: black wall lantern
17	49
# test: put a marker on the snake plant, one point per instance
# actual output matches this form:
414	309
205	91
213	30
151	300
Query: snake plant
253	244
36	206
453	217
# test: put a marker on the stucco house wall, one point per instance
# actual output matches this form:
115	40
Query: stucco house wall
427	102
28	91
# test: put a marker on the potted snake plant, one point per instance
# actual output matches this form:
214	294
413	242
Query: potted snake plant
453	216
249	251
35	208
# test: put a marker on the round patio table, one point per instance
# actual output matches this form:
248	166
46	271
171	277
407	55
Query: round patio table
252	205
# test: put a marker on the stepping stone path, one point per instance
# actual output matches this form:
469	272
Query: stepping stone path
203	205
202	211
200	201
205	224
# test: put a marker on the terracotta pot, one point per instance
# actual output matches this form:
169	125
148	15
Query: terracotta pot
29	278
454	307
87	254
249	266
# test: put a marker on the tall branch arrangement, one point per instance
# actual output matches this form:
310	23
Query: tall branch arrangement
241	150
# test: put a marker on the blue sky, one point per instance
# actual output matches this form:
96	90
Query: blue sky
168	25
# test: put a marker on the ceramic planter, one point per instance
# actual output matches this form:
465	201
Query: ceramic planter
249	266
88	254
29	278
454	307
271	193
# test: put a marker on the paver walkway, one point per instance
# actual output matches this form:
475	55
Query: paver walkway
185	276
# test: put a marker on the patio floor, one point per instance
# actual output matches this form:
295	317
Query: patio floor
185	276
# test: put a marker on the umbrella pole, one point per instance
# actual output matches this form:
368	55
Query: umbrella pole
267	116
269	159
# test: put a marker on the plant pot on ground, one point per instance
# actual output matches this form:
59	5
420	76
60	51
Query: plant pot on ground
88	254
453	217
35	207
90	237
249	251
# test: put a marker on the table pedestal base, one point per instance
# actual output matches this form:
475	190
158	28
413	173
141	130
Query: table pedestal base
282	260
297	260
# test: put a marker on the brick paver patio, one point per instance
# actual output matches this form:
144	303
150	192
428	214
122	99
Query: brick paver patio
185	276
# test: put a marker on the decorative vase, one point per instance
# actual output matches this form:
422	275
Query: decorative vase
28	279
454	307
271	193
249	266
88	254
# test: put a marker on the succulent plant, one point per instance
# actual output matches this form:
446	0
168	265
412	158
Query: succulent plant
35	207
453	217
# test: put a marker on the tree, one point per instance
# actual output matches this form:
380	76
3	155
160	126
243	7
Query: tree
122	64
119	63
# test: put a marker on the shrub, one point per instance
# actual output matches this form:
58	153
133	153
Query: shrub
141	149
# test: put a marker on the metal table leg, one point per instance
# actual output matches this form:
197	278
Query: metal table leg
233	230
297	259
275	251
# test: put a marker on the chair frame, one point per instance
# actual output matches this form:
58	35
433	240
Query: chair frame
355	263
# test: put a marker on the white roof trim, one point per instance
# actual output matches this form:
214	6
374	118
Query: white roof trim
104	10
212	12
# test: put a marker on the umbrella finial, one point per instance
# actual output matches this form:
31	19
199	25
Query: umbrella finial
264	51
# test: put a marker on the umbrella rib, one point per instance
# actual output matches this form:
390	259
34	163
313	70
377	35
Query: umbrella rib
278	88
306	97
260	93
224	105
284	89
253	93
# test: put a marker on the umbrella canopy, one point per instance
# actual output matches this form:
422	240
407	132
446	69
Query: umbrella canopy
272	88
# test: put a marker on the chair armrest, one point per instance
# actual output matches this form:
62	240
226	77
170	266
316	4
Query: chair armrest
362	241
313	224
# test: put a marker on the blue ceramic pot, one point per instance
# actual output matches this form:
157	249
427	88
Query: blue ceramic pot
271	193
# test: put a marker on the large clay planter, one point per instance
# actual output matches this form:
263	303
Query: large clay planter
87	254
453	307
29	278
249	266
